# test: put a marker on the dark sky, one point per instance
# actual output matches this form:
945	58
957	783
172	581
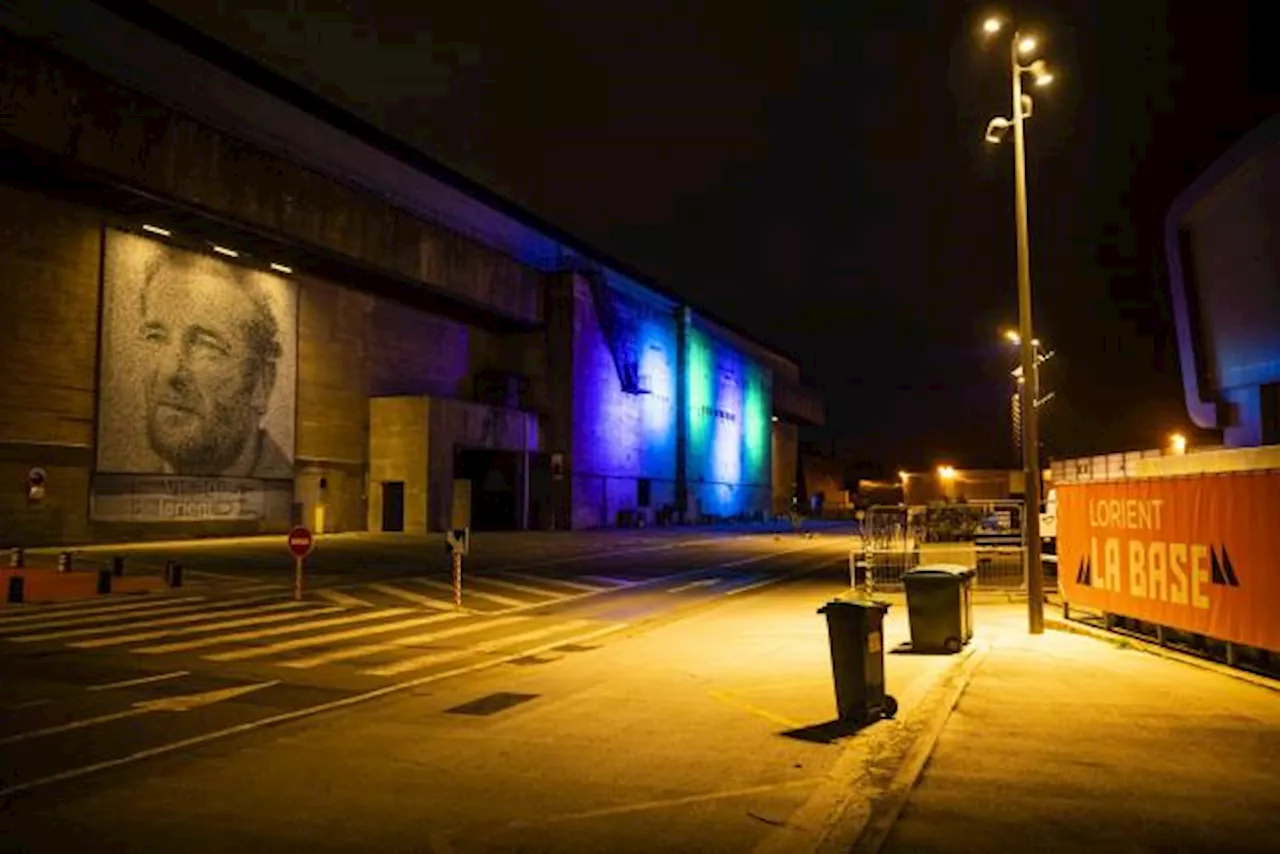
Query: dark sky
815	173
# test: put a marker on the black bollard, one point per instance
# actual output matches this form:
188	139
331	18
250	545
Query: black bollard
117	566
104	581
175	575
16	587
64	561
17	558
168	573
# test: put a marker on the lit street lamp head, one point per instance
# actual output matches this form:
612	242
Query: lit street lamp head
1027	44
992	25
996	129
1040	71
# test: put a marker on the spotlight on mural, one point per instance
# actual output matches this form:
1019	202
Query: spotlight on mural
197	390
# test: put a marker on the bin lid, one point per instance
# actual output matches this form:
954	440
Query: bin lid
941	570
853	602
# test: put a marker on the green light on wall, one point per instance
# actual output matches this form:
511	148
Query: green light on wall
755	427
700	391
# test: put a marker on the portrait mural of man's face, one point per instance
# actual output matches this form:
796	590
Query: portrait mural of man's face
199	365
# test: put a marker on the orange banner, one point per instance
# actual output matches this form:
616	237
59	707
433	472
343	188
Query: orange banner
1198	553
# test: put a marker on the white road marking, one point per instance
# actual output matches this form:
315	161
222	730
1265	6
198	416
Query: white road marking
522	588
397	644
421	661
317	640
218	640
237	590
202	629
98	618
127	683
295	714
576	585
80	724
410	596
471	591
339	598
151	624
27	619
705	582
610	582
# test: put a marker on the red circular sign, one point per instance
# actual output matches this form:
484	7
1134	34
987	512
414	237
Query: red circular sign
301	542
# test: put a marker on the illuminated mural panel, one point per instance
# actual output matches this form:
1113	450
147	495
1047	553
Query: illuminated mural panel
728	414
621	436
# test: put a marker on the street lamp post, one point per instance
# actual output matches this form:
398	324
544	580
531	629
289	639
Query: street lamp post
1019	45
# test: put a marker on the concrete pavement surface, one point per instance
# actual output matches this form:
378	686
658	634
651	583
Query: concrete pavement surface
1066	743
681	703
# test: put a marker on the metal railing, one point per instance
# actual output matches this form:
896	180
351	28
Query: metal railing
998	567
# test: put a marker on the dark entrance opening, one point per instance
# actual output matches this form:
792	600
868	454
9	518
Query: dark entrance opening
495	487
393	505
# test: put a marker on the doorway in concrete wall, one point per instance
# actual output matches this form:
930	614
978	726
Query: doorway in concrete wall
495	487
393	505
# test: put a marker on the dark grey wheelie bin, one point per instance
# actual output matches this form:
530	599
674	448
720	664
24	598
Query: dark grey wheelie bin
855	630
939	607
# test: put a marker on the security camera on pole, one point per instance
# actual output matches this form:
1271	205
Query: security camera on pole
1022	45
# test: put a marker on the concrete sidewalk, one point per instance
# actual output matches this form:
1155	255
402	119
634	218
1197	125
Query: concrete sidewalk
1069	743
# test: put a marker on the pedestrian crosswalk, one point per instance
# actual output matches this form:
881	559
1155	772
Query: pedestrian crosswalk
378	629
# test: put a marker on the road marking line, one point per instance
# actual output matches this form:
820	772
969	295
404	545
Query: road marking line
471	591
26	619
704	582
149	624
762	583
197	630
237	590
295	714
523	588
733	700
610	582
397	644
80	724
577	585
101	618
317	640
127	683
340	598
29	704
184	646
419	662
409	596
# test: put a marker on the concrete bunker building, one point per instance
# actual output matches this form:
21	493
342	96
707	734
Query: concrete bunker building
231	307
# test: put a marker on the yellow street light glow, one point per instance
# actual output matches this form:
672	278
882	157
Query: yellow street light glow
1027	44
222	250
281	268
1044	79
1012	336
902	476
991	26
155	229
1178	444
946	472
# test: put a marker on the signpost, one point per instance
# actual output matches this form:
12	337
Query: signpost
301	542
458	538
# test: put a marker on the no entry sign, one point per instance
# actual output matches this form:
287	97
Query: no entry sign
301	542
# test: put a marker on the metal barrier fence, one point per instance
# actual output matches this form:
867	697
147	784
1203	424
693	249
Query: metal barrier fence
998	567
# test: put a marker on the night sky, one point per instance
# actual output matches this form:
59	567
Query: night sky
815	173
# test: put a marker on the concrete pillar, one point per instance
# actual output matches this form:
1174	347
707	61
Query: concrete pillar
683	318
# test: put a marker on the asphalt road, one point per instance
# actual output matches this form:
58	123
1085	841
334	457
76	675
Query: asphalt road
105	686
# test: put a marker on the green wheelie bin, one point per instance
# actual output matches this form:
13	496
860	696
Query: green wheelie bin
940	607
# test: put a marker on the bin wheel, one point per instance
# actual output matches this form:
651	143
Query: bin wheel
890	707
953	645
